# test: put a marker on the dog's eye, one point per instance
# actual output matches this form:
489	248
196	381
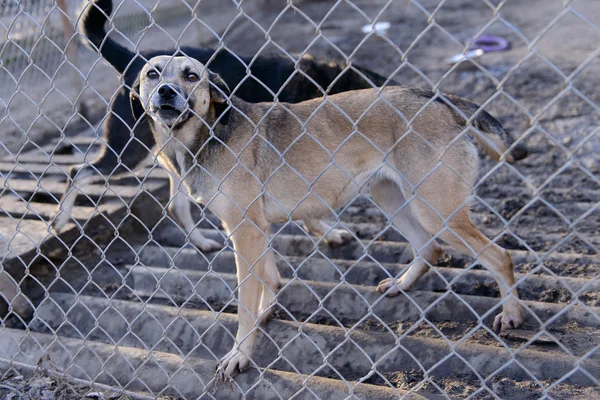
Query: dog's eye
192	77
152	74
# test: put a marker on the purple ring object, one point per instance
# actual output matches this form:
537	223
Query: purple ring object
490	43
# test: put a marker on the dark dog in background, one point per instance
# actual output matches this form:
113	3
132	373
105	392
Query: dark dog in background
126	151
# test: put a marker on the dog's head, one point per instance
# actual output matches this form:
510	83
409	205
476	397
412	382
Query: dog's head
173	90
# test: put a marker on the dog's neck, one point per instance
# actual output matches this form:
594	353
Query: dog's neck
194	142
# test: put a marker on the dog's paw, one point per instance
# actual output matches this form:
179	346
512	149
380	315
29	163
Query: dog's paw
204	244
338	237
388	288
508	319
232	364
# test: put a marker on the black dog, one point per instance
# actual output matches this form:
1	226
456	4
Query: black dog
125	151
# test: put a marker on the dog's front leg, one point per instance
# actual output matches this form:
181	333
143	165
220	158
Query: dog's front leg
180	209
272	281
250	240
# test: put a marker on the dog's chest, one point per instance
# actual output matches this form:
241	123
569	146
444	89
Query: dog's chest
176	152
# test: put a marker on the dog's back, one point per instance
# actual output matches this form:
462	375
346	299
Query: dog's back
329	151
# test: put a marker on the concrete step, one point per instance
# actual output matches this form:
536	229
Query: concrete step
310	299
377	225
18	209
292	346
46	186
72	145
169	374
318	268
299	245
39	157
60	172
31	171
555	195
379	250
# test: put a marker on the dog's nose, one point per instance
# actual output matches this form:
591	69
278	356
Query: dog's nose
166	92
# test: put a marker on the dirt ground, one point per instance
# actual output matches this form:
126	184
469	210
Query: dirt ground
47	388
43	386
545	89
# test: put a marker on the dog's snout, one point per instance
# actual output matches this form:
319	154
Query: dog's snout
166	92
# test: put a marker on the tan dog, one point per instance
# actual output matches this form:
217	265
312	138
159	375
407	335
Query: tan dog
254	165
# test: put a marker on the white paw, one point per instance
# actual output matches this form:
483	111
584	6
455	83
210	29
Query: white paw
388	288
204	244
338	237
232	364
510	318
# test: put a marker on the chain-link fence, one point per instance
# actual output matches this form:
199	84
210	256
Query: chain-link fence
303	221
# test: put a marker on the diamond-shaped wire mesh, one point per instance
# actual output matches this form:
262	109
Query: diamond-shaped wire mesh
303	221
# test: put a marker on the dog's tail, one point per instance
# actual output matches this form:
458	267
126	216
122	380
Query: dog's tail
492	137
91	25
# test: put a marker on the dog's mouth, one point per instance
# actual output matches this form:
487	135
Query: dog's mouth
170	115
168	109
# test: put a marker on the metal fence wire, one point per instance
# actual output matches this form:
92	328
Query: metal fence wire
283	199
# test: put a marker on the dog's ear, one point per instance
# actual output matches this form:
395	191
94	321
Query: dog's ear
219	94
136	102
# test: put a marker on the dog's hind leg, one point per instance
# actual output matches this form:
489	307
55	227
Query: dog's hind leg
460	233
425	249
333	237
79	176
464	236
179	207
